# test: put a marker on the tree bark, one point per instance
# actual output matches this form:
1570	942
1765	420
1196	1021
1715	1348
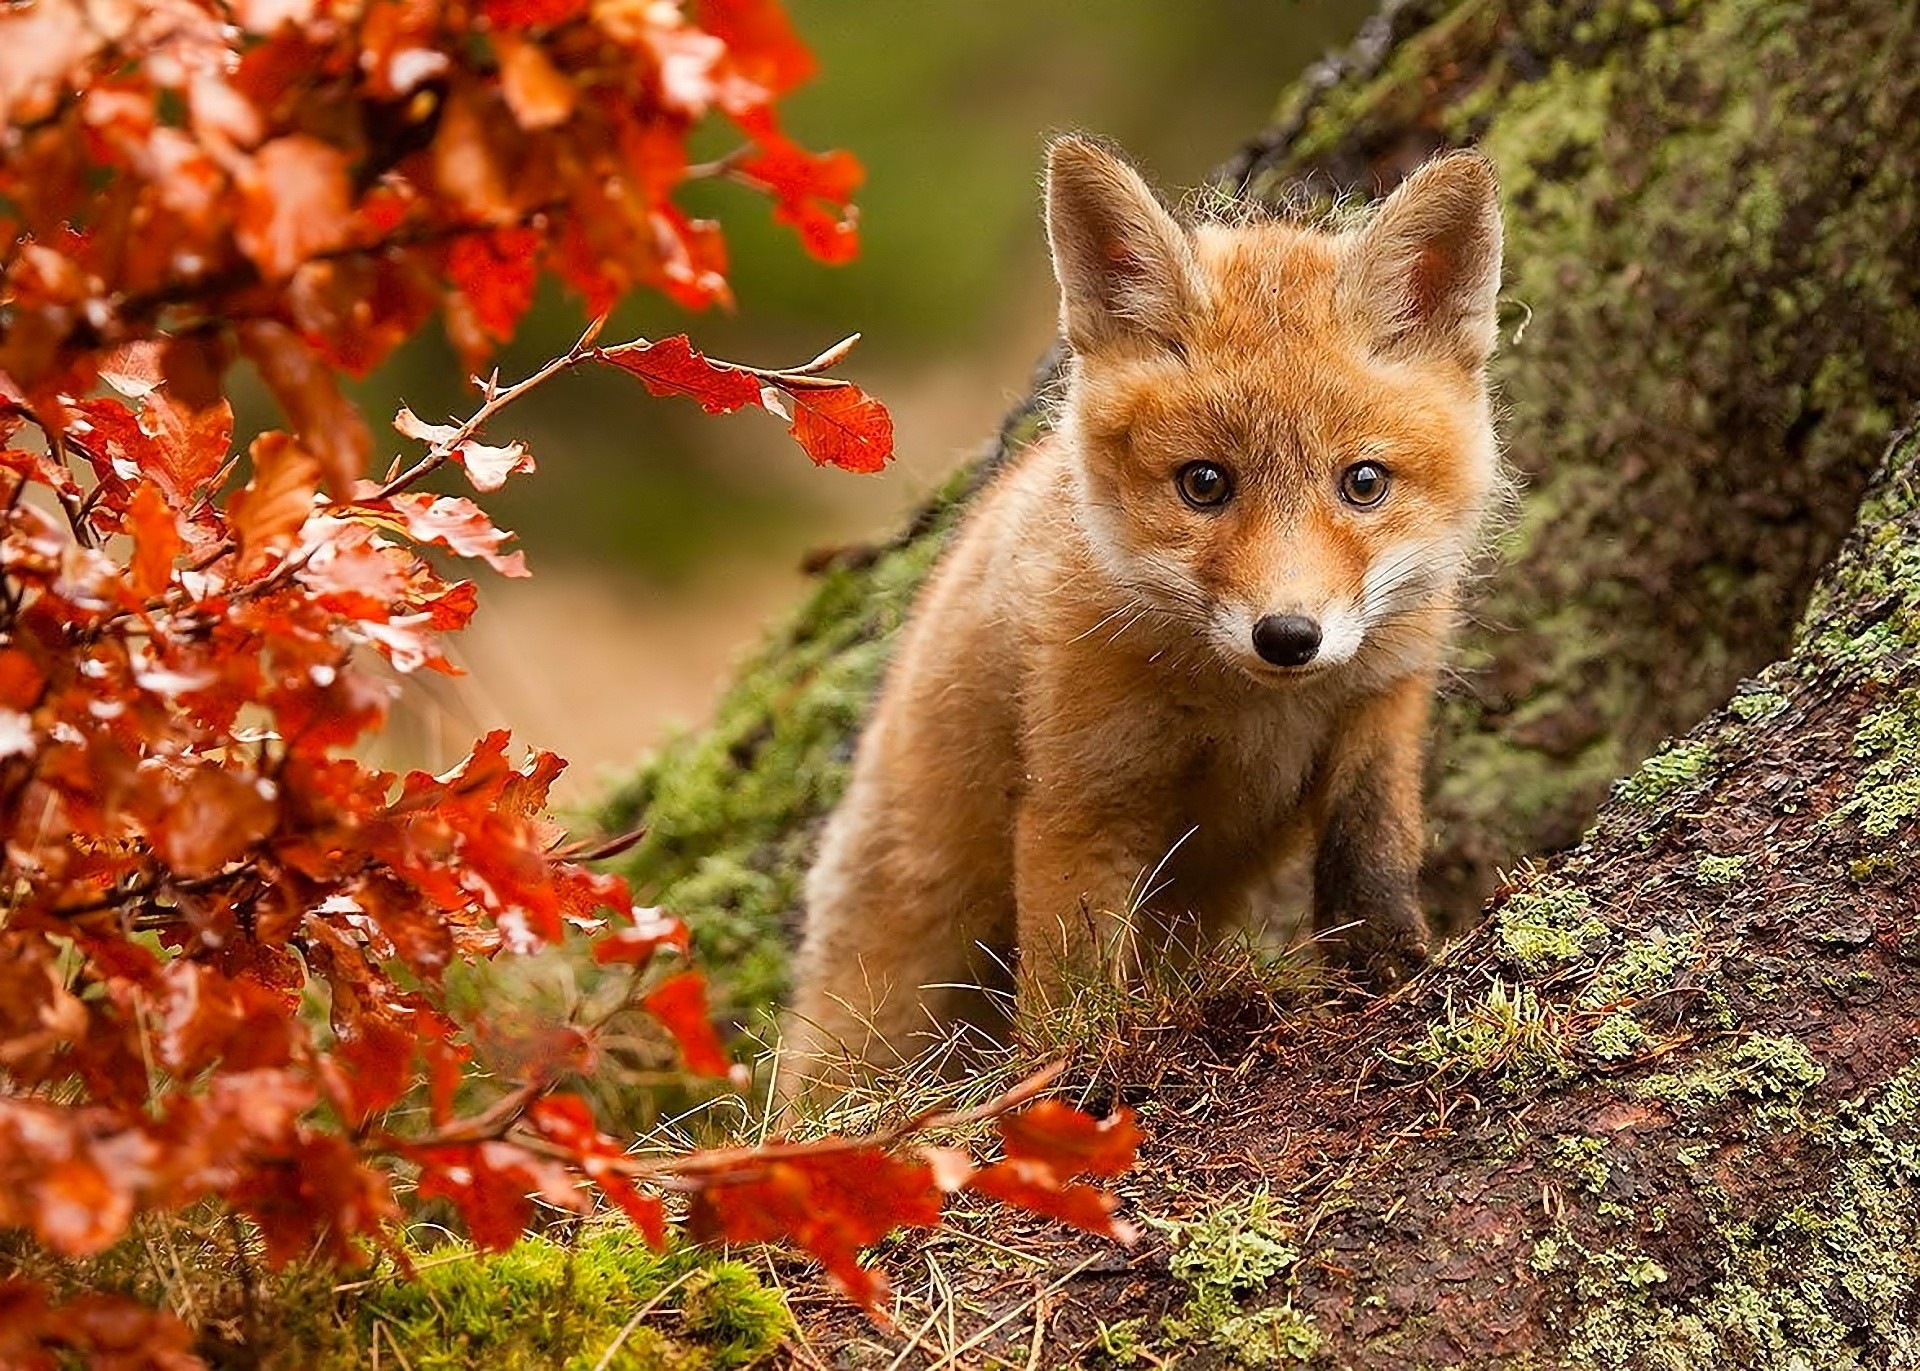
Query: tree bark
1662	1109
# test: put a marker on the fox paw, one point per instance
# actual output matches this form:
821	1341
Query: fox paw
1382	960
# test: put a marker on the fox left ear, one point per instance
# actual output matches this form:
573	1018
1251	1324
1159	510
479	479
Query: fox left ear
1125	266
1423	275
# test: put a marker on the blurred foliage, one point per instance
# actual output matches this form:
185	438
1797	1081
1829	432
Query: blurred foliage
948	105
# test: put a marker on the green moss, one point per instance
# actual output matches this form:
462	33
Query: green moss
1618	1037
1227	1255
1756	706
1664	773
1775	1070
1641	966
1548	927
1715	870
1584	1159
1826	1283
1866	618
1123	1343
1509	1033
1886	798
543	1305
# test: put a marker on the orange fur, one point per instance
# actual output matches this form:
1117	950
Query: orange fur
1079	749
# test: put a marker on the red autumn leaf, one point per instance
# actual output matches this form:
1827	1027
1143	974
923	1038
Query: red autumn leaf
296	201
313	1196
156	540
842	426
21	680
273	507
760	41
537	93
644	1211
831	1203
651	931
672	367
693	259
531	14
204	1017
81	1207
680	1003
1071	1141
446	1063
1036	1187
495	274
105	1331
207	818
378	1055
459	525
176	386
490	1183
309	393
813	192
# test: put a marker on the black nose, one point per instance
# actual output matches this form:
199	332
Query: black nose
1286	639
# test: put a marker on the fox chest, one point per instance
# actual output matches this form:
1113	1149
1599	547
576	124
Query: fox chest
1215	787
1239	785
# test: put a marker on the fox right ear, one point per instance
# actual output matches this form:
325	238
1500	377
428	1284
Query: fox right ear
1424	274
1124	265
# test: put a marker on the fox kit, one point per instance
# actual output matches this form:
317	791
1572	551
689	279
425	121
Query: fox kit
1193	631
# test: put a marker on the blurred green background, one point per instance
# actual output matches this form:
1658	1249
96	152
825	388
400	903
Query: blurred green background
661	538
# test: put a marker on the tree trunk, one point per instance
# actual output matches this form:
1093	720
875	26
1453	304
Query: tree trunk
1662	1110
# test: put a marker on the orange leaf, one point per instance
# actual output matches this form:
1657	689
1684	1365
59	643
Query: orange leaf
296	201
761	43
21	680
673	367
495	274
813	191
207	819
539	96
1032	1186
1070	1141
309	393
464	164
832	1204
680	1002
81	1209
156	540
651	931
843	427
378	1055
528	14
275	504
644	1211
459	525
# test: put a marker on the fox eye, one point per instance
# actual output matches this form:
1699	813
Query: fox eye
1203	485
1363	484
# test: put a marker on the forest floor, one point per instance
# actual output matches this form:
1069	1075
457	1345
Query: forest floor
1636	1095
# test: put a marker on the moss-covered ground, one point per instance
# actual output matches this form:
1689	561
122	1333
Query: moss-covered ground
595	1299
1660	1113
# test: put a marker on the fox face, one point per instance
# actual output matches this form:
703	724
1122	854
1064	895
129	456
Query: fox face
1284	436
